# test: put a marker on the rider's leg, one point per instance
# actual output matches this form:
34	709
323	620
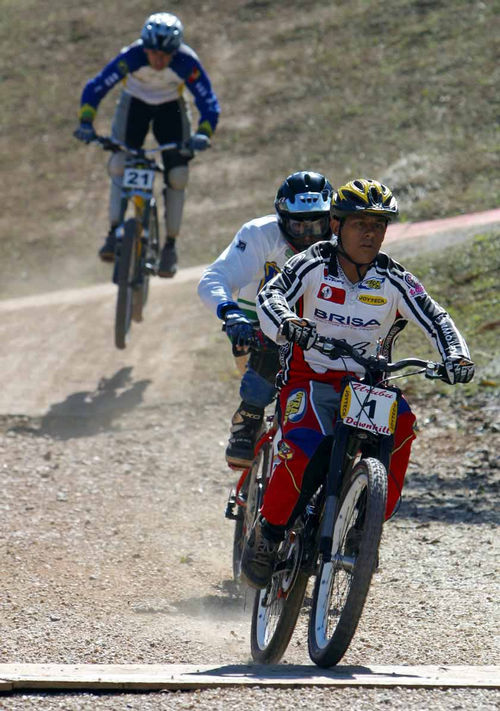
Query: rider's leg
307	413
400	457
172	123
130	126
257	390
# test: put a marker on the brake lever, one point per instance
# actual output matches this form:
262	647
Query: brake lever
435	371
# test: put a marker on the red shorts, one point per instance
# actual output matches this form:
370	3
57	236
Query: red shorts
308	414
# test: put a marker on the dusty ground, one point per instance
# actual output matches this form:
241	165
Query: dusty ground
114	545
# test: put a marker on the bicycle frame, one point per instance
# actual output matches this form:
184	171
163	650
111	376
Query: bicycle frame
348	441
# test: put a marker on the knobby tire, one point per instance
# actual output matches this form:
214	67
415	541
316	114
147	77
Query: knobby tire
141	289
254	492
275	613
126	271
341	589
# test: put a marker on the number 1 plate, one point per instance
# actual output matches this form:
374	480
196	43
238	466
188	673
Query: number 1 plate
371	409
138	178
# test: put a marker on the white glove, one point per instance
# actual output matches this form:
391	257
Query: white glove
459	369
299	331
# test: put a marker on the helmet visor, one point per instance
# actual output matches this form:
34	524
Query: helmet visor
308	228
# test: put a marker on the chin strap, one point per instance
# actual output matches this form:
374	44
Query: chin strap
341	250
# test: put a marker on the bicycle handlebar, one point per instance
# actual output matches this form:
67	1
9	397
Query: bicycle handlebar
334	348
111	144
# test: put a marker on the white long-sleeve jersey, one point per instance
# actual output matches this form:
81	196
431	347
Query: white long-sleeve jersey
313	284
256	254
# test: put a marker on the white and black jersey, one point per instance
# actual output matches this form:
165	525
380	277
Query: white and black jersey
313	285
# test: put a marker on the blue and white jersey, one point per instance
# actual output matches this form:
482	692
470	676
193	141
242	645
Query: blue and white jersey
256	254
313	286
141	81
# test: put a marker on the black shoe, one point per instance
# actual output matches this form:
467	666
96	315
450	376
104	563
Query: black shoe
245	429
107	251
168	261
259	557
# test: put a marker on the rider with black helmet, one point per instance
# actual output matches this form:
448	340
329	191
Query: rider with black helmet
229	288
155	69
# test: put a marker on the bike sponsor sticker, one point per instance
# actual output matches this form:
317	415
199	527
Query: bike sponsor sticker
370	409
270	271
295	406
331	293
372	299
284	450
416	288
372	283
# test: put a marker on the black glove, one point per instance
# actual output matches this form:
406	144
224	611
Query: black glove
299	331
85	132
238	328
459	369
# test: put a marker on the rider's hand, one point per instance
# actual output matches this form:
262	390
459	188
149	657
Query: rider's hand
85	132
198	142
301	331
238	328
459	369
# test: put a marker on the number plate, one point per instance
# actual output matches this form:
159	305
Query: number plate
371	409
138	178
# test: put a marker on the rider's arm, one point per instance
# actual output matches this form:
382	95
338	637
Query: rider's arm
241	263
416	304
129	60
278	298
187	65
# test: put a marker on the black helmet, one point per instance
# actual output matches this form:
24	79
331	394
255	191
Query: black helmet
364	195
162	31
303	207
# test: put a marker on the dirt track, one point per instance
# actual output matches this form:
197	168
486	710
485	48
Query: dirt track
112	534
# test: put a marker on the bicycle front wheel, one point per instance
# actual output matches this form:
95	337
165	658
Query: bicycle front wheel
148	260
343	582
253	492
126	272
277	608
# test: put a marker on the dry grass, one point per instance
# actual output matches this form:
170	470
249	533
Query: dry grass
401	90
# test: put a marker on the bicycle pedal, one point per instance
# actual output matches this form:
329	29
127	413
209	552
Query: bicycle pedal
150	269
230	507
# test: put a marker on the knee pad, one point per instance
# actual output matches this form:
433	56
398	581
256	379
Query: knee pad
116	165
177	177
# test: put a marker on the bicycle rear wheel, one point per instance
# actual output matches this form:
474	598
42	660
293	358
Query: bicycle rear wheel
277	608
342	583
126	273
253	492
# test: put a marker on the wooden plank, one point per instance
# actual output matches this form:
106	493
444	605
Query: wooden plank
187	676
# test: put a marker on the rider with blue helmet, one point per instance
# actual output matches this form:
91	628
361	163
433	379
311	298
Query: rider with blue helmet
154	70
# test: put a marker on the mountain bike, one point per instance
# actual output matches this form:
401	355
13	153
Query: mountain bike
137	238
246	498
336	537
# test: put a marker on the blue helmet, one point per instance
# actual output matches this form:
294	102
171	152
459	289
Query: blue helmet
163	32
303	208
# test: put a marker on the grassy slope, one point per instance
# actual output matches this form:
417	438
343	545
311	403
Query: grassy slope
463	281
401	90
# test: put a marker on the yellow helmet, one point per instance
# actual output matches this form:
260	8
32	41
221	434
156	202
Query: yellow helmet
363	195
